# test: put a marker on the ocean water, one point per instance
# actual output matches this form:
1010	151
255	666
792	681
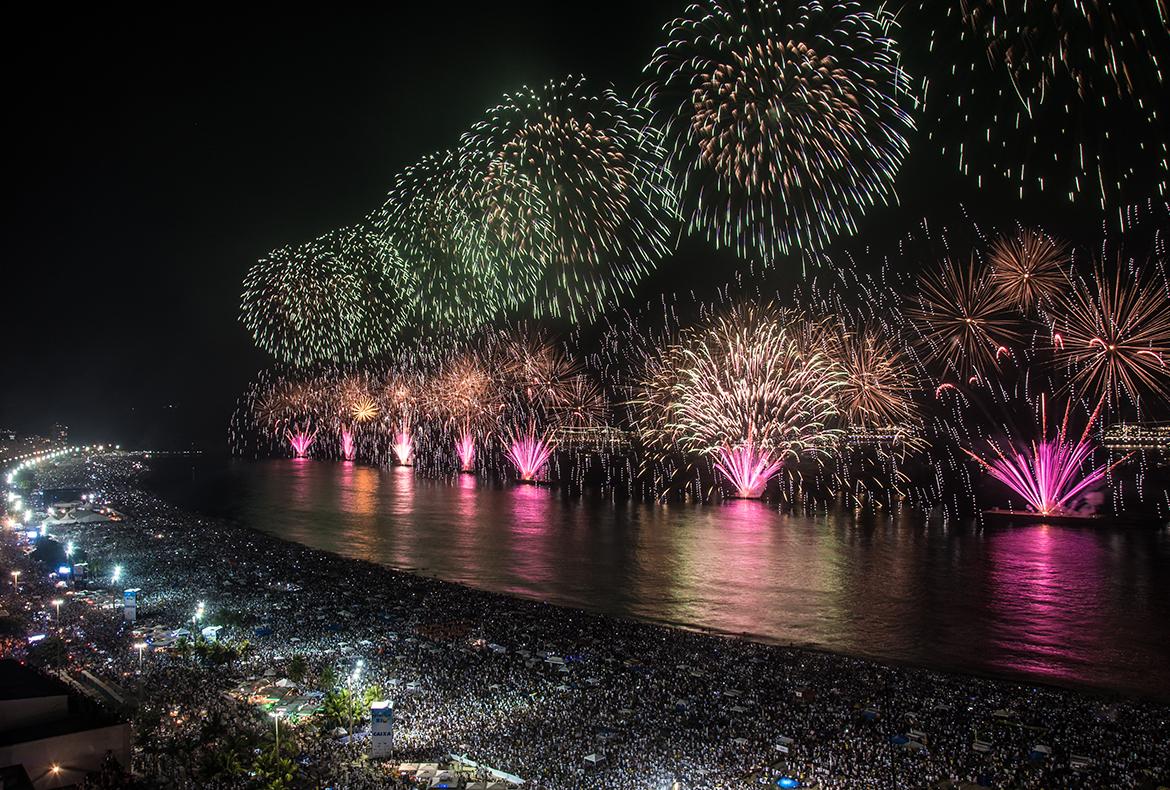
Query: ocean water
1050	604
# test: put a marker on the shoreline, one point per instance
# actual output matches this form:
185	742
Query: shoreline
1102	692
719	700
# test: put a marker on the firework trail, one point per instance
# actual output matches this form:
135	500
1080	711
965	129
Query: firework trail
784	120
1052	96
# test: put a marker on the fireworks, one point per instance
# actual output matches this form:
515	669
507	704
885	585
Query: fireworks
403	445
466	394
529	452
1113	333
537	372
1059	96
465	450
300	441
338	297
569	183
747	388
1047	474
782	119
876	391
364	409
348	447
429	219
1026	268
966	324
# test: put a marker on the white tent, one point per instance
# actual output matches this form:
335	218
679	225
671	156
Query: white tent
593	760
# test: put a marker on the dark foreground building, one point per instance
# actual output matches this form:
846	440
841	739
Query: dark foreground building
51	733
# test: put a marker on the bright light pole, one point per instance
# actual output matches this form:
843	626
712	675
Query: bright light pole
141	646
353	678
195	618
16	581
57	602
275	714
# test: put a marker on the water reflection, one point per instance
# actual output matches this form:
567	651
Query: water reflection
1046	591
1043	603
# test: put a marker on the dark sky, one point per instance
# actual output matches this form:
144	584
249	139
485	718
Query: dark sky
157	158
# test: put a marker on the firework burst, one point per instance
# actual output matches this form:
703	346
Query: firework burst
339	297
1026	268
746	388
782	119
429	218
1113	334
877	389
363	409
965	323
570	185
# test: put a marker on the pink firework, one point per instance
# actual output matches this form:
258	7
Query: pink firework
465	449
348	447
403	446
530	454
1047	474
300	442
748	468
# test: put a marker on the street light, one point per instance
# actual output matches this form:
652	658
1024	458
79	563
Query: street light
16	581
141	646
57	602
353	678
117	574
195	618
275	714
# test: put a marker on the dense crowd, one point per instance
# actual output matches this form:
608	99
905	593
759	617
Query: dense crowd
532	689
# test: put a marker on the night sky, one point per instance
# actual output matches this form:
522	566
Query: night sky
158	158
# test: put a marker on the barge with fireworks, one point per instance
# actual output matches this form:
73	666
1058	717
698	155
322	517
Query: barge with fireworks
1002	517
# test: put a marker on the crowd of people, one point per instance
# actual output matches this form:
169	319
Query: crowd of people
527	688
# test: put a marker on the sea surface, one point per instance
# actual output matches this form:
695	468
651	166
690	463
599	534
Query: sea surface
1059	605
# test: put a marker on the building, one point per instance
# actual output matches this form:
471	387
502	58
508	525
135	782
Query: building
381	729
1134	436
55	736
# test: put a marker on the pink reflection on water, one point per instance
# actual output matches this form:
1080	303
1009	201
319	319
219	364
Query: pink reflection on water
531	509
1045	585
